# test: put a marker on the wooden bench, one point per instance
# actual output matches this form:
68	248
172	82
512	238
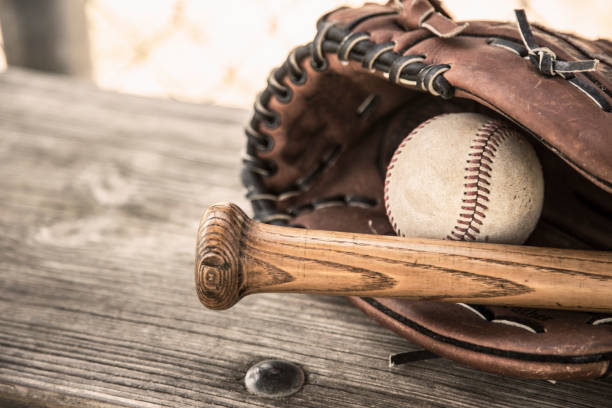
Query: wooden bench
100	197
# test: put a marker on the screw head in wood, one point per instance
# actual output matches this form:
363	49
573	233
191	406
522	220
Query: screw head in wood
274	378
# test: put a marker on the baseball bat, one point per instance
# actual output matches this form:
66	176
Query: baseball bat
236	256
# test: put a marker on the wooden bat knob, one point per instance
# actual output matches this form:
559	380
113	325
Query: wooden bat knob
218	269
236	256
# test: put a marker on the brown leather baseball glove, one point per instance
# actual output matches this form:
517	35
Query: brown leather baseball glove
326	126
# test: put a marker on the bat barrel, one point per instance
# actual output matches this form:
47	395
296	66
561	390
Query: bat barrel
218	269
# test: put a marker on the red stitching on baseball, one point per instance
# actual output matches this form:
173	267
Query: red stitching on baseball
488	138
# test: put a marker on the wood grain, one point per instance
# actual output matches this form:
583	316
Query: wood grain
236	256
100	196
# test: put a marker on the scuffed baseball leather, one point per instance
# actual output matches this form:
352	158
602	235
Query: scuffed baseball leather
325	129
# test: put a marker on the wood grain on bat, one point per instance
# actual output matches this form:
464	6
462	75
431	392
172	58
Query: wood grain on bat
268	258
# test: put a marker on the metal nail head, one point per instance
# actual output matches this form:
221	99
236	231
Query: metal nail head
274	378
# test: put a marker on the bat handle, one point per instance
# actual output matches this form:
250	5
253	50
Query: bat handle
236	256
219	271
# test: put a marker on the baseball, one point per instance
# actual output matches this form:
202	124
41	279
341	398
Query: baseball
464	176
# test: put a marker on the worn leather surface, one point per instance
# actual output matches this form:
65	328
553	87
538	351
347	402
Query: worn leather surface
513	87
568	349
569	132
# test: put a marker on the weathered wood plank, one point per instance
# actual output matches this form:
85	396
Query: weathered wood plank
101	194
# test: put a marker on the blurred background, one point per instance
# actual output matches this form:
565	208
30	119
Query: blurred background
216	52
